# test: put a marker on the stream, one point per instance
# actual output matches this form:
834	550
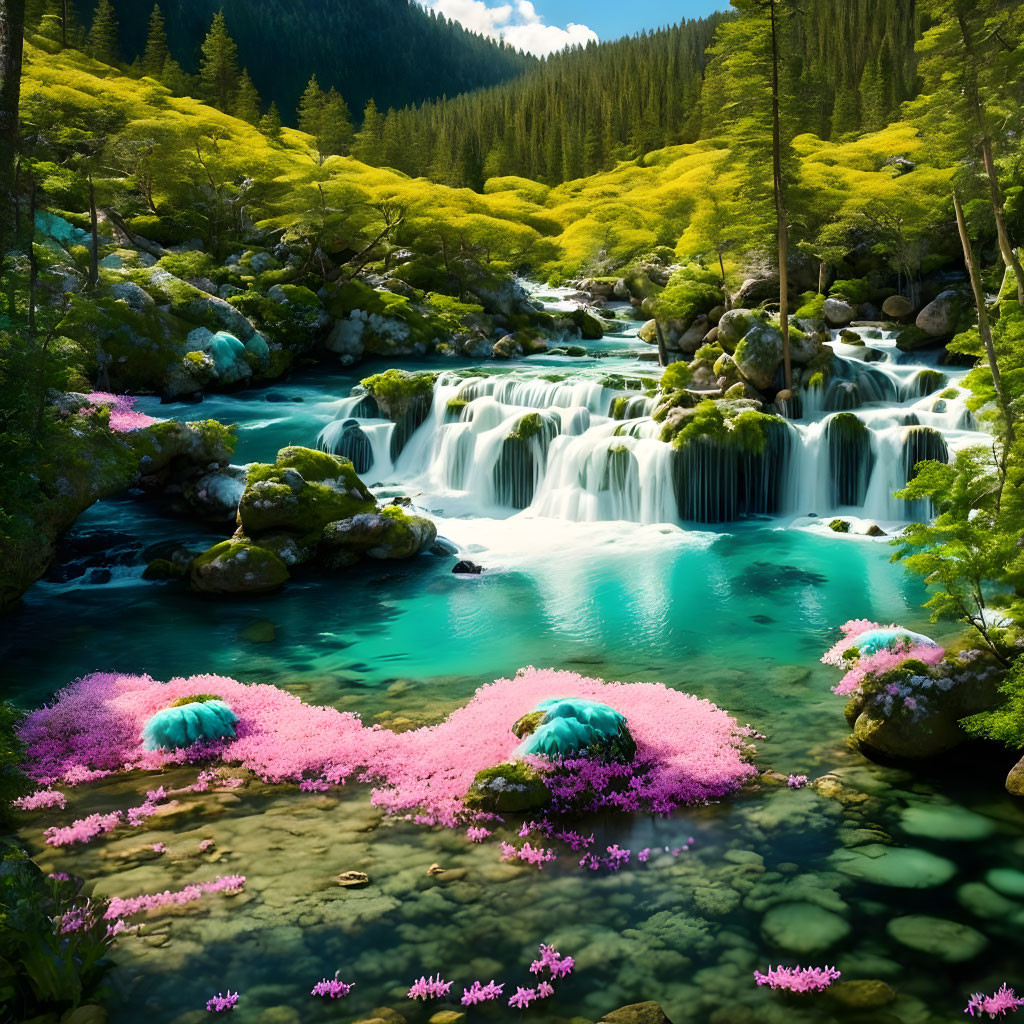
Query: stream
601	558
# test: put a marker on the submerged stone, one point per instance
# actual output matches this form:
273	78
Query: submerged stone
897	867
948	941
945	821
1008	881
803	927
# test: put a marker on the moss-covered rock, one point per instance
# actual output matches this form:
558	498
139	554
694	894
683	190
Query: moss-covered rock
404	398
590	327
390	533
301	493
237	567
508	789
758	354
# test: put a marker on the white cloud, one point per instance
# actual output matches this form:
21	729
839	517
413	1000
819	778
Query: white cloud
518	23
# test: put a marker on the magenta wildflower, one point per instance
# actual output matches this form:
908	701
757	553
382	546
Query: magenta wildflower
544	989
477	993
332	988
83	830
798	979
998	1004
222	1003
523	997
643	854
121	907
41	798
59	876
159	848
477	834
797	781
205	844
429	988
552	961
537	855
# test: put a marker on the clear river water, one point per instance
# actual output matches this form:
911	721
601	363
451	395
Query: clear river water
590	568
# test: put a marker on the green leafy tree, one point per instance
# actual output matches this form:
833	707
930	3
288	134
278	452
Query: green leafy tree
103	43
247	100
156	53
218	66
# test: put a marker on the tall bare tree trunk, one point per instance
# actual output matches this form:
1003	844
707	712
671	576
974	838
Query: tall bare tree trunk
94	269
1010	257
984	326
780	205
12	29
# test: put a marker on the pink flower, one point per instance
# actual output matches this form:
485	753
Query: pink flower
643	854
477	993
544	989
159	848
205	844
429	988
523	997
552	961
123	418
332	988
83	830
798	979
120	907
477	834
998	1004
222	1003
797	781
851	630
41	798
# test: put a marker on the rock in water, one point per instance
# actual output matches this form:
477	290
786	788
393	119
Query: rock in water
467	568
637	1013
803	927
237	567
948	941
1015	780
898	307
838	312
895	867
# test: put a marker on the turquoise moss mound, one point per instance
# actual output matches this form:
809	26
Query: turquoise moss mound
565	727
197	721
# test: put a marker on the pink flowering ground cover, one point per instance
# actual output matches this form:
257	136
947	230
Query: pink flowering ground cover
123	417
692	750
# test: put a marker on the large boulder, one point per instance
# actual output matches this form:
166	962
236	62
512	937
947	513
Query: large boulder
215	496
805	346
839	312
301	493
346	338
590	327
237	567
691	339
939	318
758	355
228	354
1015	779
733	326
637	1013
390	533
897	307
649	332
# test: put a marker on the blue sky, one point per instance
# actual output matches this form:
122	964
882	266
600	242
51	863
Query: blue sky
542	26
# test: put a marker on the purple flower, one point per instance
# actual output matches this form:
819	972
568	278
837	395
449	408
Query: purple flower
429	988
477	993
797	781
221	1003
332	988
523	997
998	1004
798	979
643	854
477	834
544	989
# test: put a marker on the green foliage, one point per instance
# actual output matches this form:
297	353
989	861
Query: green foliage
42	969
1005	723
193	698
676	376
156	53
13	782
691	291
854	291
812	307
103	44
397	387
218	67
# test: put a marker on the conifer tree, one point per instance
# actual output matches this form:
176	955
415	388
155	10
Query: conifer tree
103	45
311	108
156	52
247	100
218	66
34	11
175	78
369	140
270	124
334	137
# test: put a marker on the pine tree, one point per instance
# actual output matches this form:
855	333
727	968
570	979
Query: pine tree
270	124
156	53
103	44
218	67
335	135
247	100
175	78
369	140
34	11
311	108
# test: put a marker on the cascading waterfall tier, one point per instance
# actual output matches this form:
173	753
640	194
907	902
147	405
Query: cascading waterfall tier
582	445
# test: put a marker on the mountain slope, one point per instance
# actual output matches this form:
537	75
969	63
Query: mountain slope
391	50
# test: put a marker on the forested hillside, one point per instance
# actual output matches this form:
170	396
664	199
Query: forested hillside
579	112
392	50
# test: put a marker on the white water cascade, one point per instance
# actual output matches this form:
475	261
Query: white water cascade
581	446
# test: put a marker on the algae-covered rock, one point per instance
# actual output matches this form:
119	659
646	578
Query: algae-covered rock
404	398
590	326
390	533
733	327
758	354
948	941
302	492
508	789
895	867
637	1013
803	927
237	567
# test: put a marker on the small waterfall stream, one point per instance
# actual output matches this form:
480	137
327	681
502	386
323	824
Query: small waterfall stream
581	445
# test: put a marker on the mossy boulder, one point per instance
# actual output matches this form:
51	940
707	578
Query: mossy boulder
758	354
302	492
734	326
508	789
404	398
390	533
237	567
590	327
